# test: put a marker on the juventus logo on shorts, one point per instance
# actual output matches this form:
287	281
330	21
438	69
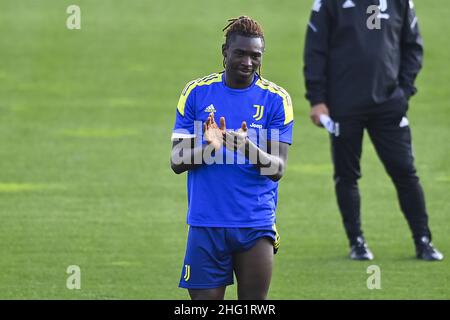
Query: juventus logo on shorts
187	272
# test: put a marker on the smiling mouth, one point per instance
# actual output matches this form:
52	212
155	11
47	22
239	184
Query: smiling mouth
246	72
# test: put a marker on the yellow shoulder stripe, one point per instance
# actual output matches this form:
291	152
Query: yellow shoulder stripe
287	102
205	81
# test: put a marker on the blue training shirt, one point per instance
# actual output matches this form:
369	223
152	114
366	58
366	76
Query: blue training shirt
233	195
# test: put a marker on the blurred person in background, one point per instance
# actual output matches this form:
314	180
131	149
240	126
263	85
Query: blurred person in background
361	60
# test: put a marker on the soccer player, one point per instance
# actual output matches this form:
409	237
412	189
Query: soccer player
360	69
231	207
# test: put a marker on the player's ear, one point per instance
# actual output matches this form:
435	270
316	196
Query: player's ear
224	54
224	50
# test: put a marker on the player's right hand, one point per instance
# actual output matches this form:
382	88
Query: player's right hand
316	111
214	134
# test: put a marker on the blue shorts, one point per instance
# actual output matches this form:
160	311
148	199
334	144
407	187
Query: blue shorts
209	254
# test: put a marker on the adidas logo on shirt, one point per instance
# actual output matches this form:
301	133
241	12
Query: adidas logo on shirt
210	108
348	4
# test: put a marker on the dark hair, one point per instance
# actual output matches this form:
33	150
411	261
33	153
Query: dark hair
244	26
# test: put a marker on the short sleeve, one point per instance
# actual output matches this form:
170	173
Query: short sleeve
282	122
185	115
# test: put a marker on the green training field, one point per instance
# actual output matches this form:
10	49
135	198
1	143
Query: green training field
85	123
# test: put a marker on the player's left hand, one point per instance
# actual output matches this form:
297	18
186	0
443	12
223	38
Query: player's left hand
236	140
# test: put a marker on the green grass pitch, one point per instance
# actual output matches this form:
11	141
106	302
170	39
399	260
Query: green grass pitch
85	123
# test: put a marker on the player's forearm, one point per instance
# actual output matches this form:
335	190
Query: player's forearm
186	158
270	165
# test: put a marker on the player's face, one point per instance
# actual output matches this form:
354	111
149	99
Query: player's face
243	56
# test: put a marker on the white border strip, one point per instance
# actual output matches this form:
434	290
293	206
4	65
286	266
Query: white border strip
181	136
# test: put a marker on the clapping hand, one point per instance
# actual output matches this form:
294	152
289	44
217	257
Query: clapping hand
214	134
236	140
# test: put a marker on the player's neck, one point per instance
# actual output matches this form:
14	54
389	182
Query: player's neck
238	84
